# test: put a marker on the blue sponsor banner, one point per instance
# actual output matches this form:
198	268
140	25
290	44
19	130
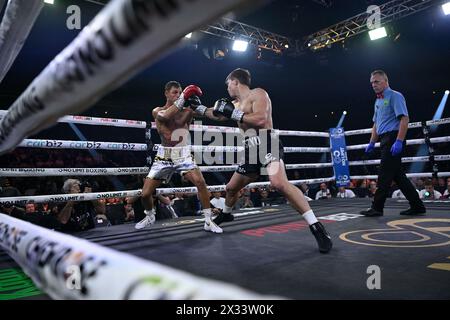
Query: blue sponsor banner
339	156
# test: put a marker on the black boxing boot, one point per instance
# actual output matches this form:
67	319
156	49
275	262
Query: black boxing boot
322	237
223	217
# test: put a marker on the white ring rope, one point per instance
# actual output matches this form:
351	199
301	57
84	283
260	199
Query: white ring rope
210	128
54	172
193	127
106	274
136	193
404	160
410	125
72	197
82	145
97	121
249	186
99	145
409	175
16	24
408	142
51	172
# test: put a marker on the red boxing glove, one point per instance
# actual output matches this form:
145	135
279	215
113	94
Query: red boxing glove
188	92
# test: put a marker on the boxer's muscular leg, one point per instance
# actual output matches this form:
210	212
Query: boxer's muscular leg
279	181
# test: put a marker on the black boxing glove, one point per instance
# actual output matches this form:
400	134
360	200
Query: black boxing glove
224	107
196	105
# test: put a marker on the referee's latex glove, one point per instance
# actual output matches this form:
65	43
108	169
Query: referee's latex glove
397	147
370	147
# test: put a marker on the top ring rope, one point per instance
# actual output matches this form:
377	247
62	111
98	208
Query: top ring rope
410	125
221	129
193	127
97	121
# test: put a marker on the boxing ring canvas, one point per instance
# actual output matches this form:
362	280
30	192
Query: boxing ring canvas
269	251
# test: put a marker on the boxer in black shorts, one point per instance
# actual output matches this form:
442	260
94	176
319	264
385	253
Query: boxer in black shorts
260	145
252	109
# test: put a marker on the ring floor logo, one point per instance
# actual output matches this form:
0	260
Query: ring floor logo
409	233
14	284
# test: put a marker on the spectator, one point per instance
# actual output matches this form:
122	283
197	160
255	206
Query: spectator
164	209
7	190
218	201
447	192
306	191
265	200
180	205
44	208
345	193
115	211
420	184
296	175
136	202
429	193
12	211
323	193
243	201
441	187
361	191
275	196
255	197
129	212
30	208
372	189
193	206
78	216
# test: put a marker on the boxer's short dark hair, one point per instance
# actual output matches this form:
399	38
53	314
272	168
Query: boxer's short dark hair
241	75
172	84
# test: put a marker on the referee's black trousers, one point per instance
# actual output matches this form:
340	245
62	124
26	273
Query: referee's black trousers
391	170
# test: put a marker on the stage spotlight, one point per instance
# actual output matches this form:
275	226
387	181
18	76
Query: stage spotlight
189	35
341	120
240	45
446	8
377	33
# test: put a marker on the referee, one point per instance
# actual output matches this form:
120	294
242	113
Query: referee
390	124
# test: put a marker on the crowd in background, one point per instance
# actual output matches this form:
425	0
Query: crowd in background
86	215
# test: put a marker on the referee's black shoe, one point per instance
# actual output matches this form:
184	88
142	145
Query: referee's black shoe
371	212
414	212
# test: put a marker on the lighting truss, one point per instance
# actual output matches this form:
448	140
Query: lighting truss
390	11
234	30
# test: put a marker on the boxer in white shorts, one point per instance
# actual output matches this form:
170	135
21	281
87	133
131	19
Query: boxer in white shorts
174	153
